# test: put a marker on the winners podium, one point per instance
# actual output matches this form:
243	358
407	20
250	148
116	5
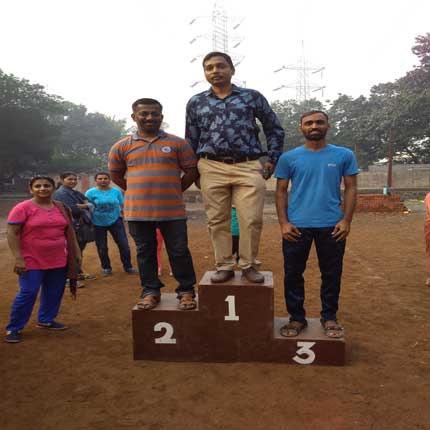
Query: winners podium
234	321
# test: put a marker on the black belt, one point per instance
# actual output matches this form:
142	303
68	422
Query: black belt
230	159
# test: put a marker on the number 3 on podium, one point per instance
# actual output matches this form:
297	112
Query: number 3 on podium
305	349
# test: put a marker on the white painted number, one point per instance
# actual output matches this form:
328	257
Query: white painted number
167	336
231	310
305	349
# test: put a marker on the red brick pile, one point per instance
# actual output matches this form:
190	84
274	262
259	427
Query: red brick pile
379	203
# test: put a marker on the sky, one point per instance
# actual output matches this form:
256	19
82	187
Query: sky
106	54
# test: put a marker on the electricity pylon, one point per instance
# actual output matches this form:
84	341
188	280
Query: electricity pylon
303	85
220	36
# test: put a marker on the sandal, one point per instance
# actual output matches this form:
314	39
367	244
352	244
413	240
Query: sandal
332	329
187	302
293	328
150	301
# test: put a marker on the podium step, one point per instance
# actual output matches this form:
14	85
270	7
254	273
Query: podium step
234	321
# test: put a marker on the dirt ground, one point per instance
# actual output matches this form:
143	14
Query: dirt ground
85	377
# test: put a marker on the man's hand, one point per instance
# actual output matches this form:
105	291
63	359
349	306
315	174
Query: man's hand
341	230
267	170
19	266
290	232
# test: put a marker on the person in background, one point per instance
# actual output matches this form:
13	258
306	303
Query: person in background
234	234
107	217
41	237
160	241
81	211
427	237
235	237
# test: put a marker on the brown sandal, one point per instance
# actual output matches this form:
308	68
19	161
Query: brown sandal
187	302
332	329
293	328
150	301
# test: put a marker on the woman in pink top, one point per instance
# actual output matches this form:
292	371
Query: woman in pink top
427	237
41	237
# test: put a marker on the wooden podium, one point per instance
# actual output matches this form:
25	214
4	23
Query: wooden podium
234	321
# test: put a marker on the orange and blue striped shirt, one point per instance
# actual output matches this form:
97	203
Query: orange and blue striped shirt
153	171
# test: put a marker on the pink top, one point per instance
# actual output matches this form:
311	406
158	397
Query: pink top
43	236
427	202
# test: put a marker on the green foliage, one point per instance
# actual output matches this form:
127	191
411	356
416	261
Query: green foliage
349	120
289	112
26	140
40	132
86	139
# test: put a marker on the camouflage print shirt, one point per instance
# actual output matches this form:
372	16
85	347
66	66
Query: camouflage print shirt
227	127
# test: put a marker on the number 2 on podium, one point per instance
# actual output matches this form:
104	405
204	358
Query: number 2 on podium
231	309
168	334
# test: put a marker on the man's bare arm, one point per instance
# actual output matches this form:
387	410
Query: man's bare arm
190	175
289	231
281	200
350	196
118	179
343	227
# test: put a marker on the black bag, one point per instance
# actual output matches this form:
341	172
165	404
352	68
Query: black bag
85	231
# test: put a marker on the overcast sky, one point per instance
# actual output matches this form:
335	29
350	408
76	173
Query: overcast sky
105	54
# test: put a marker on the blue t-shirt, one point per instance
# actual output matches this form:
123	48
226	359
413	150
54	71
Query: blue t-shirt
315	176
108	204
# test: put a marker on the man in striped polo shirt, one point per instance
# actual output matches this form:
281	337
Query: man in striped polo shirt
155	168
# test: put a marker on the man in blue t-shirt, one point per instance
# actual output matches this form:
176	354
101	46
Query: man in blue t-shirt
313	213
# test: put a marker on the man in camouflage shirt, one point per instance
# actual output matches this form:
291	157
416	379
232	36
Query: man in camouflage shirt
221	127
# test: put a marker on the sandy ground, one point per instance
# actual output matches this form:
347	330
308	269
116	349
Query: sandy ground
85	378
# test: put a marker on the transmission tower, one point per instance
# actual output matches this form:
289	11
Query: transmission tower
220	36
219	30
303	86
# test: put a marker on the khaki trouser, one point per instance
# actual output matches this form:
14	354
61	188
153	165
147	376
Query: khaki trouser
222	186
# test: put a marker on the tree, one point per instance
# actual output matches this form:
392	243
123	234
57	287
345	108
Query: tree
26	140
42	132
27	136
404	106
21	94
85	139
289	113
350	126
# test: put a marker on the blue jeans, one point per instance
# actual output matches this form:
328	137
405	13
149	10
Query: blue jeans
119	235
330	259
51	282
176	240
